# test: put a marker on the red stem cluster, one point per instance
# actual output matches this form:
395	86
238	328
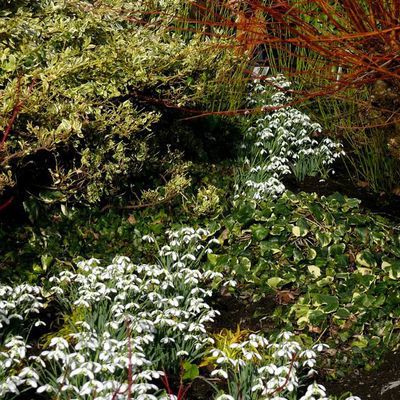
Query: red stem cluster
182	391
19	103
357	42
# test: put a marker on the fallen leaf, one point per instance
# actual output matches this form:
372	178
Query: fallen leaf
314	329
132	219
362	184
224	235
286	296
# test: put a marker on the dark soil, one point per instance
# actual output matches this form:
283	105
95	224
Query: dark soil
383	384
201	390
253	316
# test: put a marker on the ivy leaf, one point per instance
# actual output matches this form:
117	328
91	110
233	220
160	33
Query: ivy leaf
392	268
314	270
259	232
296	231
342	313
361	342
337	249
326	303
275	282
366	259
277	230
311	254
324	238
191	371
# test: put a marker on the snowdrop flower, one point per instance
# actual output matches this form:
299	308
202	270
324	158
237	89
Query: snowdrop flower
225	397
219	372
285	335
231	283
314	389
320	347
188	257
45	388
148	238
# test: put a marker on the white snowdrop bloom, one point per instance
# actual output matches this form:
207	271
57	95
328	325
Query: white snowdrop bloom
29	373
309	363
209	274
221	360
308	354
142	388
225	397
214	241
188	257
320	347
353	398
271	369
285	335
220	372
82	371
82	302
91	387
216	352
45	388
8	387
231	283
314	389
148	238
56	290
311	373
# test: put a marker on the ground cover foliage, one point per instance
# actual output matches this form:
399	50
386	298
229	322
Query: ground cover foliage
122	300
332	269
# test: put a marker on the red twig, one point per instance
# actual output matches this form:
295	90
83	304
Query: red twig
16	110
130	381
6	203
280	388
116	393
182	391
166	384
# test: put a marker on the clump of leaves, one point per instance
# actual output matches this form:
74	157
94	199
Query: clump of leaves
208	201
224	340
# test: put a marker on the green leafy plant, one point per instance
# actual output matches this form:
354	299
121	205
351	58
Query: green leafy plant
208	201
332	269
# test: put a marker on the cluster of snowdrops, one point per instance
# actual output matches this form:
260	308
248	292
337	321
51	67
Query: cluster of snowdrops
132	324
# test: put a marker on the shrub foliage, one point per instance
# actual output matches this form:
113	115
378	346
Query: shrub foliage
75	82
